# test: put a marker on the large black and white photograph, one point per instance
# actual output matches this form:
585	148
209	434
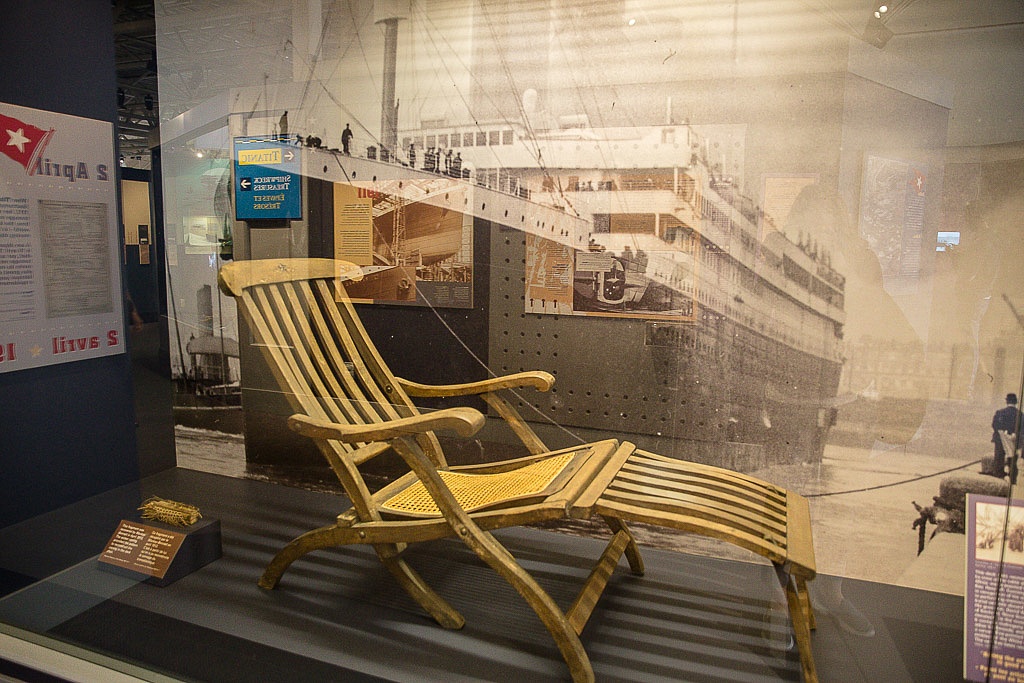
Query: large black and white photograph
744	265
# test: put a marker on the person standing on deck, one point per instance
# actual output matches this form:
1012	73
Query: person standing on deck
282	127
346	139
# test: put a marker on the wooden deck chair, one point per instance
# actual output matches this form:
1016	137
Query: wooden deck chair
349	402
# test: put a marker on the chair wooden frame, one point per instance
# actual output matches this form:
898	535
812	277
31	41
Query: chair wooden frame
348	401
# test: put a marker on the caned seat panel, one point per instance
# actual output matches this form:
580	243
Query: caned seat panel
480	491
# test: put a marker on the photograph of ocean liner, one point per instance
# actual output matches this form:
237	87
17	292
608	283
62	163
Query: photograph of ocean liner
653	224
756	317
715	225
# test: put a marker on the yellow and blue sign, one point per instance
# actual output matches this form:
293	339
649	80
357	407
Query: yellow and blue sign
268	180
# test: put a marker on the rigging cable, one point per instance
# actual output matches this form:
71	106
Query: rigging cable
462	96
519	105
491	373
579	439
372	137
535	152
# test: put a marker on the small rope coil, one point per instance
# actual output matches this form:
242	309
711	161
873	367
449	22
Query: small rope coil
170	512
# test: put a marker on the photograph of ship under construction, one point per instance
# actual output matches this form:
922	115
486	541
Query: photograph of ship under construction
780	238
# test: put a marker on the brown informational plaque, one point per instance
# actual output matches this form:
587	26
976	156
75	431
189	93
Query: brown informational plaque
158	553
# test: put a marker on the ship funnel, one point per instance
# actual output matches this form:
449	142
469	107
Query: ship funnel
389	13
384	10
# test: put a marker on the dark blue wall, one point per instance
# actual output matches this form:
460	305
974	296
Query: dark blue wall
66	431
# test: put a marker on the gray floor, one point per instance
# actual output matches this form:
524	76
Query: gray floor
337	614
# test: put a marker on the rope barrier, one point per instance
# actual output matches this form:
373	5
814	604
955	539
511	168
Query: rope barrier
890	485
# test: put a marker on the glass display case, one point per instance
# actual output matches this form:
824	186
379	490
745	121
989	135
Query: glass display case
775	238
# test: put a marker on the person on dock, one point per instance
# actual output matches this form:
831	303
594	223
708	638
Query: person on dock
1008	420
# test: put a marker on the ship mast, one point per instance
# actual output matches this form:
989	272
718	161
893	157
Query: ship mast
389	13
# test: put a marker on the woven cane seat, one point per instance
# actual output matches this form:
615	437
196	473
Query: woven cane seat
478	491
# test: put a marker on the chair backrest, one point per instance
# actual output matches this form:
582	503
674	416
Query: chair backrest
307	329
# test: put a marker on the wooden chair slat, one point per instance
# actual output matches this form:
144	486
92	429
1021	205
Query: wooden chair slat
368	386
325	355
382	390
683	470
711	497
713	489
691	506
292	319
280	352
724	532
671	466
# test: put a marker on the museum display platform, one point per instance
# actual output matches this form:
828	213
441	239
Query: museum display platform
337	614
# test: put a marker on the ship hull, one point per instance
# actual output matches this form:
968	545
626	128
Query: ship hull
709	389
694	381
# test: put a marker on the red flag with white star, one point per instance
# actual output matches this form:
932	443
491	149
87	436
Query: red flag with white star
21	141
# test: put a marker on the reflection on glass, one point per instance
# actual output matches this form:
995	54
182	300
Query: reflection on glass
776	238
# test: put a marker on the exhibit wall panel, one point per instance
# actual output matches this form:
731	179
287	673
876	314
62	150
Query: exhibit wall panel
44	412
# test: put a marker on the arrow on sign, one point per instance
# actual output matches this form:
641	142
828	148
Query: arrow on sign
289	155
245	183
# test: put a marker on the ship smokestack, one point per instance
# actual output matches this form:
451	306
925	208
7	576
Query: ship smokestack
389	13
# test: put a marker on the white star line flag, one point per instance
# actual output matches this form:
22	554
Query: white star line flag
22	142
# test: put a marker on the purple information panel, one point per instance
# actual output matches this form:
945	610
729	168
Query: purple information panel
994	606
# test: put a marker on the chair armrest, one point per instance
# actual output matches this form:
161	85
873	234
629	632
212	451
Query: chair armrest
538	379
463	421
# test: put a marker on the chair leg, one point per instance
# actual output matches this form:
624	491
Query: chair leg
636	561
805	600
333	536
801	619
425	596
500	560
324	537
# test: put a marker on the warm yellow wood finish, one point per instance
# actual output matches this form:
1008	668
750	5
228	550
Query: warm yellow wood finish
347	400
